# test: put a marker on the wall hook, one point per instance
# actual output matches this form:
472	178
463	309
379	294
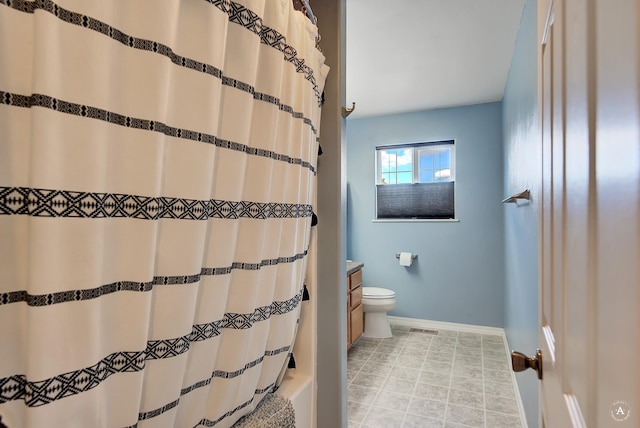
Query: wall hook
524	195
347	111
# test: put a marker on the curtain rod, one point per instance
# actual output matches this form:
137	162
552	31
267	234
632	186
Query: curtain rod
310	14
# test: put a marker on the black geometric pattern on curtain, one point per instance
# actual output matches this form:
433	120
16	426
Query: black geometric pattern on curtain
210	423
237	13
227	375
38	393
66	203
45	101
96	292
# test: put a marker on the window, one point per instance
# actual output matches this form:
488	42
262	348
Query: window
415	181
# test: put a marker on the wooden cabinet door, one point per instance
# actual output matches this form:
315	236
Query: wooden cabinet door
357	323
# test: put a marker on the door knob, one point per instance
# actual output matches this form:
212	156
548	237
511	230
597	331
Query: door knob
521	362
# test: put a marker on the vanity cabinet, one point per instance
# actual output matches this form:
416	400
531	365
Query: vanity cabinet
355	316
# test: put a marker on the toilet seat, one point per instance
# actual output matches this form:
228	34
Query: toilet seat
377	293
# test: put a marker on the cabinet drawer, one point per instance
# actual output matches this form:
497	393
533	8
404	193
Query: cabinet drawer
357	323
355	297
355	279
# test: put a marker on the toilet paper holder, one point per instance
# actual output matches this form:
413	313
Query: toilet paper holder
413	256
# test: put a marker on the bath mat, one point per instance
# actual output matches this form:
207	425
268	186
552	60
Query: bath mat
274	411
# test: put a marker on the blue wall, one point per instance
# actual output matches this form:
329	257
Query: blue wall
522	163
459	273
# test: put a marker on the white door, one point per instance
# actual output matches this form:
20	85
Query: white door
590	213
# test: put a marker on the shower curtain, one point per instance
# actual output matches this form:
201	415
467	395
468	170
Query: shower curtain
157	170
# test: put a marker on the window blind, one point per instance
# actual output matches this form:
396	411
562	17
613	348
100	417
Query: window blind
417	200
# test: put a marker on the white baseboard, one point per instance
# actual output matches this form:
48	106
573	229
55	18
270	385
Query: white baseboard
467	328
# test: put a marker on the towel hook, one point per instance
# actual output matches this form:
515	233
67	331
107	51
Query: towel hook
347	111
524	196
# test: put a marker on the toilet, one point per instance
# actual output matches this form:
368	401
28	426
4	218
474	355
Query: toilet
376	302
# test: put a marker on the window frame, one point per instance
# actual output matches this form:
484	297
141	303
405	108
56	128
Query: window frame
415	159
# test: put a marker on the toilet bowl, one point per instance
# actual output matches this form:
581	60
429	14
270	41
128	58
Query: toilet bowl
376	302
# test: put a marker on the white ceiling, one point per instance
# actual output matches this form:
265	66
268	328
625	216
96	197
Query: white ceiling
411	55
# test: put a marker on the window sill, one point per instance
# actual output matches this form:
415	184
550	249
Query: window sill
415	220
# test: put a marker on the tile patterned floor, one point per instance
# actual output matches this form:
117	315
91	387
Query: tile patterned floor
424	380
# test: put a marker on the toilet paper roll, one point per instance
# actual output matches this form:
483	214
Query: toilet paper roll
405	259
